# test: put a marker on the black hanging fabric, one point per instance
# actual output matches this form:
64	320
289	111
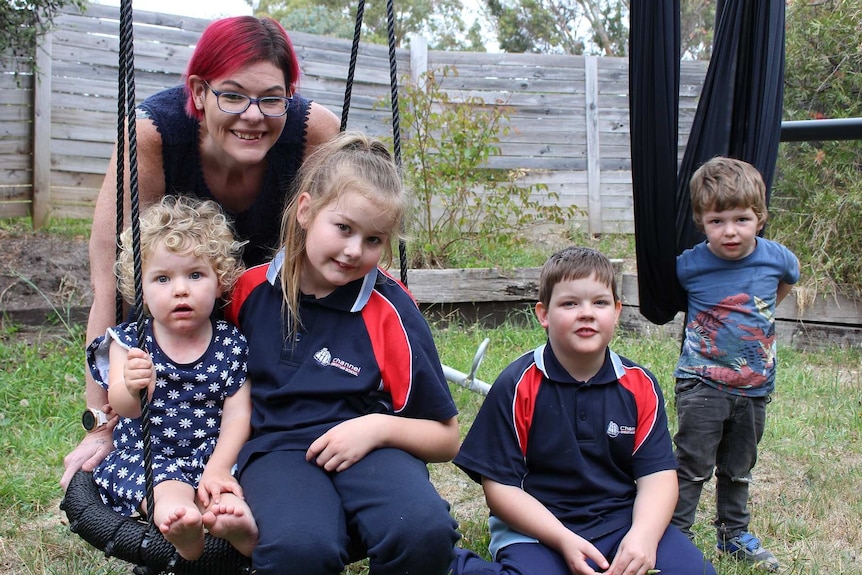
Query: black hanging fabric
654	110
738	115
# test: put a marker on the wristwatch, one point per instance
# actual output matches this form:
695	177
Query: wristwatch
93	418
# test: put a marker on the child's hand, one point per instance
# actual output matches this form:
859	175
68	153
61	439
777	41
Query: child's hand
138	371
576	550
213	483
347	442
634	556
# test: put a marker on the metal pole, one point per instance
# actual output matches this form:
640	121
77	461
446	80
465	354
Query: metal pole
830	129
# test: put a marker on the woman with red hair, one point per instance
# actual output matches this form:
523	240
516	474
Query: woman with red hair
236	133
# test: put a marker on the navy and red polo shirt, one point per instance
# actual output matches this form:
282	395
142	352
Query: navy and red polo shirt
365	348
577	447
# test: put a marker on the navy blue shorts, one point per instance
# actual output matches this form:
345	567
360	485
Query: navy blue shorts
313	521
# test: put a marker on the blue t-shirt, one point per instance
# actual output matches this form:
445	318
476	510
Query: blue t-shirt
730	334
260	224
577	447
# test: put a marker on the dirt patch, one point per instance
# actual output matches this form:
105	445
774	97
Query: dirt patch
43	278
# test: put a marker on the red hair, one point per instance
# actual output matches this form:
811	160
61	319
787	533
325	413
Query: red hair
232	43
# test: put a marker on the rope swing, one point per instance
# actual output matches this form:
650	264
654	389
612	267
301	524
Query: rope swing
134	539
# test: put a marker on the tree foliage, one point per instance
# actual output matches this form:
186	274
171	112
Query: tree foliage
696	25
438	20
588	26
23	21
817	197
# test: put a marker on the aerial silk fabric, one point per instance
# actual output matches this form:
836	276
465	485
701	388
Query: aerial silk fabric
738	115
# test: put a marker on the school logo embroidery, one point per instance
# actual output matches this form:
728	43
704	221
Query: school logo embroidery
324	358
615	429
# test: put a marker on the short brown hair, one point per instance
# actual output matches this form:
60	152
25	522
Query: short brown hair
724	184
574	263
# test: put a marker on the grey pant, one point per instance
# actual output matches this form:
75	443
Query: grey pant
717	430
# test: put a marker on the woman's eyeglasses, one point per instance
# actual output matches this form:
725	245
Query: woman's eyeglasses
233	103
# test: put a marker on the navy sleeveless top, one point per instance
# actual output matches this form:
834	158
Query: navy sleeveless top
260	224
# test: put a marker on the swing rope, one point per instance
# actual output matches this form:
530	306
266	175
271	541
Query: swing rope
126	82
393	84
396	122
351	67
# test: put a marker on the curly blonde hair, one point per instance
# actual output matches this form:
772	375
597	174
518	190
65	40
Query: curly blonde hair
184	225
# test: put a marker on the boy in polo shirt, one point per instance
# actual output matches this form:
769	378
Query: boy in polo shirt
572	447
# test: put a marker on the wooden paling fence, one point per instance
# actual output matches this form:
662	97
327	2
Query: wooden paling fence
569	121
569	130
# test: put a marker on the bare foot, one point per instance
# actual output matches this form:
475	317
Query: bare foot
233	523
185	530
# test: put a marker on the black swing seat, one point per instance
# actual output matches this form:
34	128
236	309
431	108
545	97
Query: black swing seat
135	541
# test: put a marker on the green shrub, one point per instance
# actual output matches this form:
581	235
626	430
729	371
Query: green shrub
463	210
817	196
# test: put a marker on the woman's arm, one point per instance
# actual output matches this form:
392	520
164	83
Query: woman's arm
102	251
103	235
321	127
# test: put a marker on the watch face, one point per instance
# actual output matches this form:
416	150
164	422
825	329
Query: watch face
88	420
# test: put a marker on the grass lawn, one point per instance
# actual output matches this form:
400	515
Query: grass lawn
806	500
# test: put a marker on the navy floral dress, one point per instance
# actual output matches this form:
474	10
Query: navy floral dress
185	412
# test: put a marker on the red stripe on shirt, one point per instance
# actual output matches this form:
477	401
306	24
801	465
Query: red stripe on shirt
246	283
640	385
391	347
524	403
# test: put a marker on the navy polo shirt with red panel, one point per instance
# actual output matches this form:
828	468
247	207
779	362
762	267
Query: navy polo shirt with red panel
365	348
577	447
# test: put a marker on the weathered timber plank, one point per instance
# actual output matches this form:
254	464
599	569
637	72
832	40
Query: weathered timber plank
823	309
14	210
472	285
14	193
493	296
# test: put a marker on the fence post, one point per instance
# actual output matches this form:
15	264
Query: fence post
40	205
594	155
418	57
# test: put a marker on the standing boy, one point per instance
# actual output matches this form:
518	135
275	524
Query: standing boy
726	370
572	448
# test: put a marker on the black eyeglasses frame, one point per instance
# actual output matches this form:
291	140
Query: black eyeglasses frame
249	101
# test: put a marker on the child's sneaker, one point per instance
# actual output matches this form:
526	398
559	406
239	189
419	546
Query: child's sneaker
747	547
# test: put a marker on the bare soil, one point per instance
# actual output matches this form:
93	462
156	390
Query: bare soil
44	281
